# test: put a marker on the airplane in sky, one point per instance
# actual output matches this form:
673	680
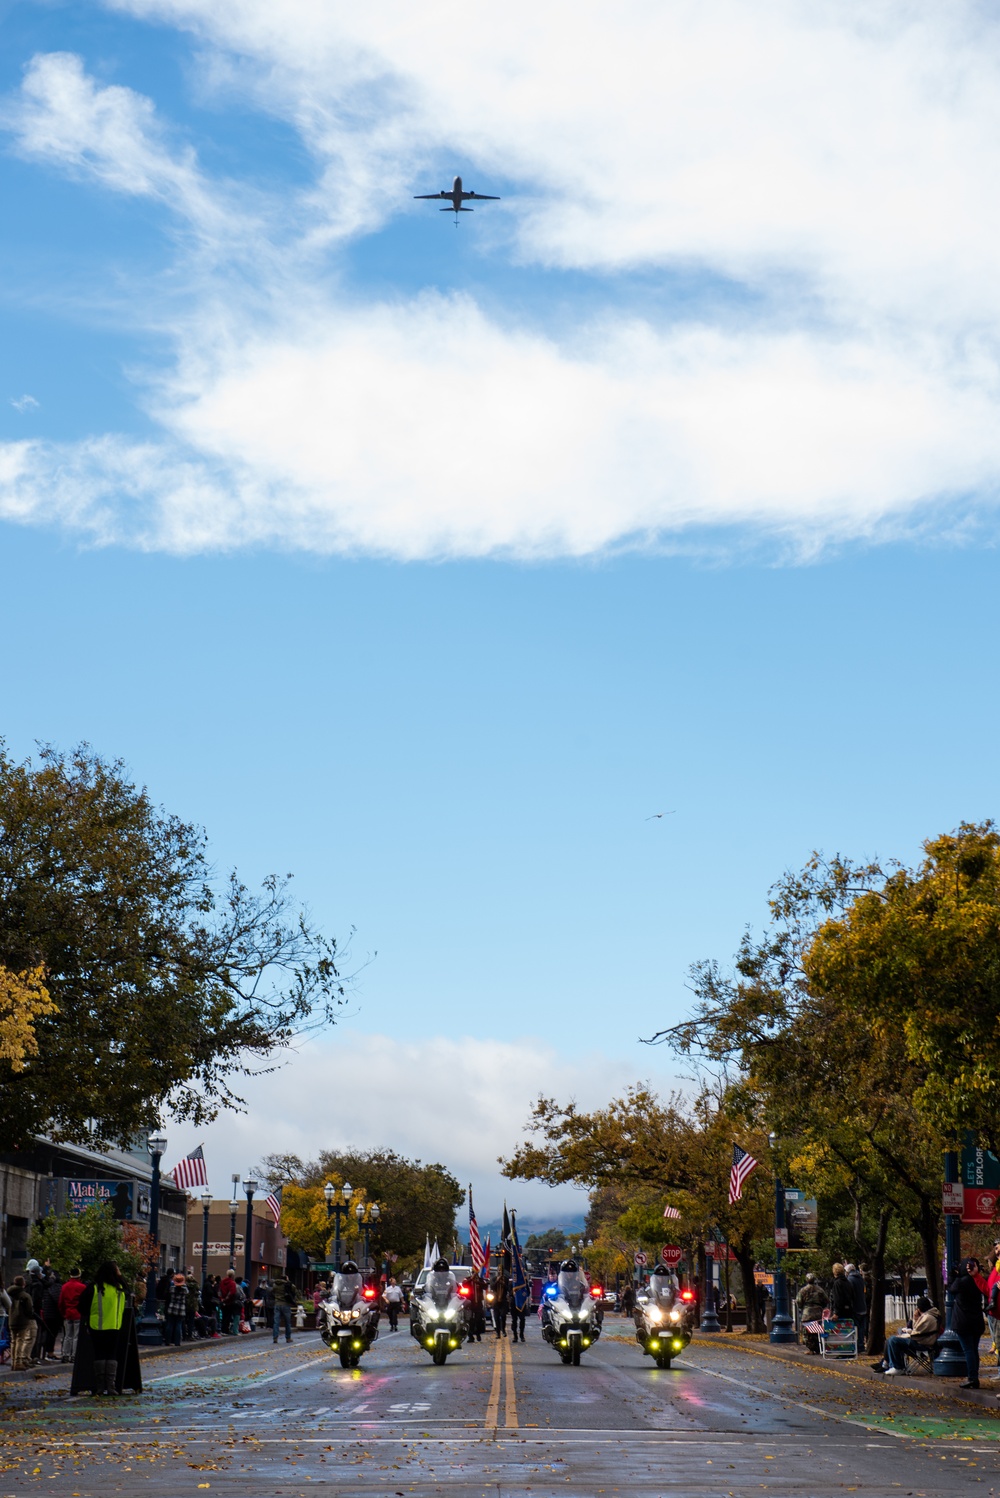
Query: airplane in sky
457	196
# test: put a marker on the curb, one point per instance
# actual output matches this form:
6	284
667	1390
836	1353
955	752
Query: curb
938	1388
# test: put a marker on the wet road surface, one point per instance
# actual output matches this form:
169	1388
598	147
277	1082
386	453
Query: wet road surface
254	1419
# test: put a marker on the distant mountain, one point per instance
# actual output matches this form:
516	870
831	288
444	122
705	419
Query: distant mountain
526	1226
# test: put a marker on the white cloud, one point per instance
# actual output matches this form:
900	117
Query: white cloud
833	164
24	403
460	1101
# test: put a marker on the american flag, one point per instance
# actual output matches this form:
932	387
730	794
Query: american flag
671	1212
486	1258
743	1164
815	1327
274	1202
191	1171
475	1242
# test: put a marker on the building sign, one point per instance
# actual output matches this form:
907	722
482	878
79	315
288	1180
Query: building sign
127	1199
781	1237
980	1168
219	1249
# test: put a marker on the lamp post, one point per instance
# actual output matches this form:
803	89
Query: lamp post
782	1325
232	1226
367	1213
206	1207
709	1317
249	1186
337	1204
149	1331
950	1361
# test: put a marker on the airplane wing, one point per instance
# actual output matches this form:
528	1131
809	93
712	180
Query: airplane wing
483	197
434	195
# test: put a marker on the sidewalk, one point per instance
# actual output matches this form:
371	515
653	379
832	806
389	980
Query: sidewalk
857	1369
51	1370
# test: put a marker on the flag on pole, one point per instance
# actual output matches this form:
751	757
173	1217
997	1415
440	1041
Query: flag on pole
518	1280
743	1165
475	1242
671	1212
274	1202
816	1327
428	1261
435	1252
191	1171
486	1258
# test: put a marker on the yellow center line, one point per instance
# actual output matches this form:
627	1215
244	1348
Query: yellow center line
510	1404
493	1408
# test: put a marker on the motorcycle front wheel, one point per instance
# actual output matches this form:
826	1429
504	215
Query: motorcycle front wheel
662	1361
348	1357
440	1356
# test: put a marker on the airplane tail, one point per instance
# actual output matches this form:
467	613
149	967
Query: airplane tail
456	210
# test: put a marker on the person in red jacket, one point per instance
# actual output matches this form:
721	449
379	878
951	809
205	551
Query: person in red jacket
69	1310
229	1296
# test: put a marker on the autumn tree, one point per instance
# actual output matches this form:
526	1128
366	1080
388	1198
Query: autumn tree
161	989
415	1200
864	1025
653	1152
24	1000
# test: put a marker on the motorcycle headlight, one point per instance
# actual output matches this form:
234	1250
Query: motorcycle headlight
356	1311
450	1313
654	1313
675	1315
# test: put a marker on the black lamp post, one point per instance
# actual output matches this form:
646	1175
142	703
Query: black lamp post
149	1331
367	1213
206	1207
249	1186
709	1316
337	1204
782	1325
232	1226
950	1361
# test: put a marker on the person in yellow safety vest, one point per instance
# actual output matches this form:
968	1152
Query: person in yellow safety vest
102	1306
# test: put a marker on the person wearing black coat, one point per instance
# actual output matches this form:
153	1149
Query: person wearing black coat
967	1320
841	1295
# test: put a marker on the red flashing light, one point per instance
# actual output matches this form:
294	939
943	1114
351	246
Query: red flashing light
465	1289
597	1291
687	1295
369	1292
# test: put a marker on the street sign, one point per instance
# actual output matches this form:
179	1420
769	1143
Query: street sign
978	1204
953	1198
709	1250
781	1237
639	1258
671	1255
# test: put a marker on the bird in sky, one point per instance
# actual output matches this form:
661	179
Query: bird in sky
660	814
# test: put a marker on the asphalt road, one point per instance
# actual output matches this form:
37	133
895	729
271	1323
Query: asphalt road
252	1419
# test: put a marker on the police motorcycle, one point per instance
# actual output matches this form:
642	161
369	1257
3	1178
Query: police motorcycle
571	1312
440	1312
348	1318
664	1316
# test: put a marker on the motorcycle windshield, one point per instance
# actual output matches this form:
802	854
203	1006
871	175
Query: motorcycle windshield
572	1287
441	1286
346	1290
662	1288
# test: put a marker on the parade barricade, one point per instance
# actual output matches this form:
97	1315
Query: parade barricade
838	1339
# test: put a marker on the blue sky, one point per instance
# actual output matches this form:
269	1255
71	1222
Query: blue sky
430	563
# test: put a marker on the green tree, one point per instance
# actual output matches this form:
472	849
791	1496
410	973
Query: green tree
164	989
85	1241
415	1200
554	1241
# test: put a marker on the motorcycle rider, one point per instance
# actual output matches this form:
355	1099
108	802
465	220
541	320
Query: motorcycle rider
348	1286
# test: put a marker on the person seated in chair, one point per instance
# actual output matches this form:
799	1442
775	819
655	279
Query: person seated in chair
920	1337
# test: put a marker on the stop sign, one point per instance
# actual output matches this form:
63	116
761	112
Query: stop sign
672	1255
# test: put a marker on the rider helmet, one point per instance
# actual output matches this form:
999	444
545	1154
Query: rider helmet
441	1264
349	1267
568	1266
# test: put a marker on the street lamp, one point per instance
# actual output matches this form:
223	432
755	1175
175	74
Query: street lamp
950	1361
249	1186
206	1207
149	1331
337	1204
232	1225
367	1214
782	1325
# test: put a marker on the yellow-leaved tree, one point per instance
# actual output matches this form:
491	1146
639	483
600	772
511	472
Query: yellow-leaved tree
23	1000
